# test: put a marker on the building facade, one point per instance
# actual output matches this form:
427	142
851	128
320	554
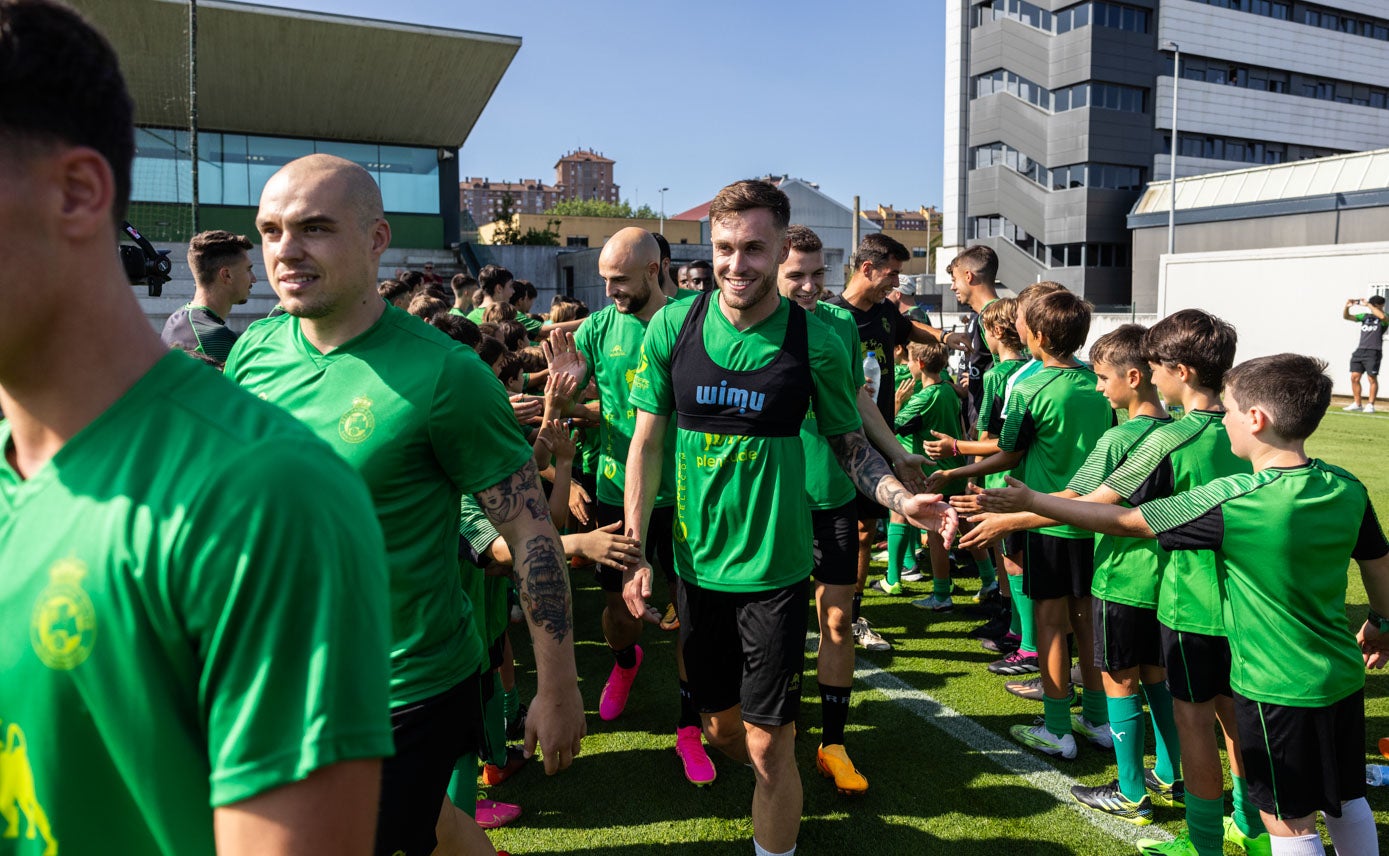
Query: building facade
918	231
584	174
483	198
1058	114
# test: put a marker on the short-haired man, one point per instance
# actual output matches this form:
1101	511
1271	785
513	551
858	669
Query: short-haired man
682	278
184	670
1366	357
664	280
430	277
972	279
739	368
222	278
424	421
701	275
904	297
494	284
877	264
464	287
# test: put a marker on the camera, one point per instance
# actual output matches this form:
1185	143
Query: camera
144	265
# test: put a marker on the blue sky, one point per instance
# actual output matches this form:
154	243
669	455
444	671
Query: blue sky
694	95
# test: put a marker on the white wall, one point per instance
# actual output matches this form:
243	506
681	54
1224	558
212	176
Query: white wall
1280	300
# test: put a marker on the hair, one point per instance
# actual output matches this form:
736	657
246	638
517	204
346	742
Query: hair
1377	300
523	288
61	83
933	356
750	195
426	307
876	249
491	277
532	359
436	291
413	280
803	239
499	312
1195	339
1122	348
392	290
703	264
209	252
489	349
1063	318
462	284
513	334
488	329
507	367
567	311
199	356
1035	290
458	328
1000	318
663	244
1294	390
979	260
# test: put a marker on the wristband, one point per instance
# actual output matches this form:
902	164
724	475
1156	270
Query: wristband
956	446
1378	620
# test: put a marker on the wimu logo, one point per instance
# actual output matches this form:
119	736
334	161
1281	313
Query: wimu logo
731	396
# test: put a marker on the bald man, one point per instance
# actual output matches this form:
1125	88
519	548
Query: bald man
423	420
607	348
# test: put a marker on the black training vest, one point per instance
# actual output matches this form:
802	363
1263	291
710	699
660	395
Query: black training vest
768	402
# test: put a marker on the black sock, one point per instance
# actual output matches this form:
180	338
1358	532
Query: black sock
689	714
858	602
834	708
627	657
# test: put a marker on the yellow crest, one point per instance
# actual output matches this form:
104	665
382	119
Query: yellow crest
610	469
62	628
358	422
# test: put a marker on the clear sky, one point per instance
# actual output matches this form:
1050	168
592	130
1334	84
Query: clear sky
694	95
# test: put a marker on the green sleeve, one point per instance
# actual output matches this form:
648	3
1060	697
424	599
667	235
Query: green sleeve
288	615
836	404
584	340
1143	460
651	387
1101	461
214	340
1012	437
913	414
474	525
532	325
476	438
1183	509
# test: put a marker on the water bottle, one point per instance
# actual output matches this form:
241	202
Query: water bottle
872	374
1376	774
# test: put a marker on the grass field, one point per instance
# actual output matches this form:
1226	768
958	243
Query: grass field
928	728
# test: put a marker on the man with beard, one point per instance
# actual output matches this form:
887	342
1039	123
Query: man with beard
607	349
739	368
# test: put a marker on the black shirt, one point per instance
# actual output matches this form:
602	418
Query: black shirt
881	328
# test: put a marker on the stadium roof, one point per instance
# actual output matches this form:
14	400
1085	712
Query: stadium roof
266	70
1269	190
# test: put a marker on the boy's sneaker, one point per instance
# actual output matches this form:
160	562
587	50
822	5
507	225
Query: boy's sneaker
492	814
912	575
868	638
671	620
1005	644
1179	846
935	604
689	745
1369	408
1352	408
1017	663
833	763
1173	794
987	593
1039	738
1031	689
1100	735
1110	800
1254	845
993	628
893	589
493	775
615	691
878	557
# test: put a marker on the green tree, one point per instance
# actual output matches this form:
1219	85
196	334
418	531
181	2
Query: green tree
590	208
508	233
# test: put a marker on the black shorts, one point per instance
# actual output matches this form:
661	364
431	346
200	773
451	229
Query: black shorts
1125	636
868	509
430	736
1013	545
836	544
745	648
660	544
1057	567
1365	360
1198	666
1298	760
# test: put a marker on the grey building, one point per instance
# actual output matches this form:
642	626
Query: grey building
1059	113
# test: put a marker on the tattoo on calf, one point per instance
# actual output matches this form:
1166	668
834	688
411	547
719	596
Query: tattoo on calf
867	469
545	590
520	491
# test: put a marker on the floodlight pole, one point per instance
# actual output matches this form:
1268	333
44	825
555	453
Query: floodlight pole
1172	191
662	191
193	104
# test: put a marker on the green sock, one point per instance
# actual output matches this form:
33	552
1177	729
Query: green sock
896	546
940	587
1246	813
1126	721
1168	752
1094	706
1057	712
987	574
1015	606
1205	822
913	543
463	784
1022	607
511	703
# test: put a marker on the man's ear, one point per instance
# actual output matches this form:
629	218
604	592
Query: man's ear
87	192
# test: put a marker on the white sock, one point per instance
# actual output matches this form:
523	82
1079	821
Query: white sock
1302	845
759	850
1353	832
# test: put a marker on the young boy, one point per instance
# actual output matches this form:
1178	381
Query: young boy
935	408
1281	537
1124	590
1051	420
903	539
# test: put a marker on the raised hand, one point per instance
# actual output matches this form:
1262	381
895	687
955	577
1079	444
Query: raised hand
942	447
904	391
930	511
559	392
563	356
1016	497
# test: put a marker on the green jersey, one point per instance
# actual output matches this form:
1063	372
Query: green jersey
742	521
826	484
1175	458
934	408
1126	569
611	344
532	326
995	384
459	312
487	593
424	420
192	612
683	294
1056	416
1281	538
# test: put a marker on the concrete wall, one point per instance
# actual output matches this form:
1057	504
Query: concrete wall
582	265
1280	300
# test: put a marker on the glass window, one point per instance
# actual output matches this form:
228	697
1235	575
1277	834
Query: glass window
1082	15
1063	21
236	175
210	159
160	172
1080	95
1061	100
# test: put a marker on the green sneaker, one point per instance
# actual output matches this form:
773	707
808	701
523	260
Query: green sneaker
1109	800
888	588
1257	845
1163	793
1179	846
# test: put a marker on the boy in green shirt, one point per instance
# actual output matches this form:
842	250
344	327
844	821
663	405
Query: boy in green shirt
1281	537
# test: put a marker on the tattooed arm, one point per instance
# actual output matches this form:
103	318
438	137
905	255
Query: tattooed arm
517	508
871	474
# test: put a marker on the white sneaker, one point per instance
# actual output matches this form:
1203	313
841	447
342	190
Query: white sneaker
935	604
1369	408
913	575
1044	741
1100	735
1352	408
870	639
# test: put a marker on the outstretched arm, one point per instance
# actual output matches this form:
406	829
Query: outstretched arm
871	474
1094	516
906	466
